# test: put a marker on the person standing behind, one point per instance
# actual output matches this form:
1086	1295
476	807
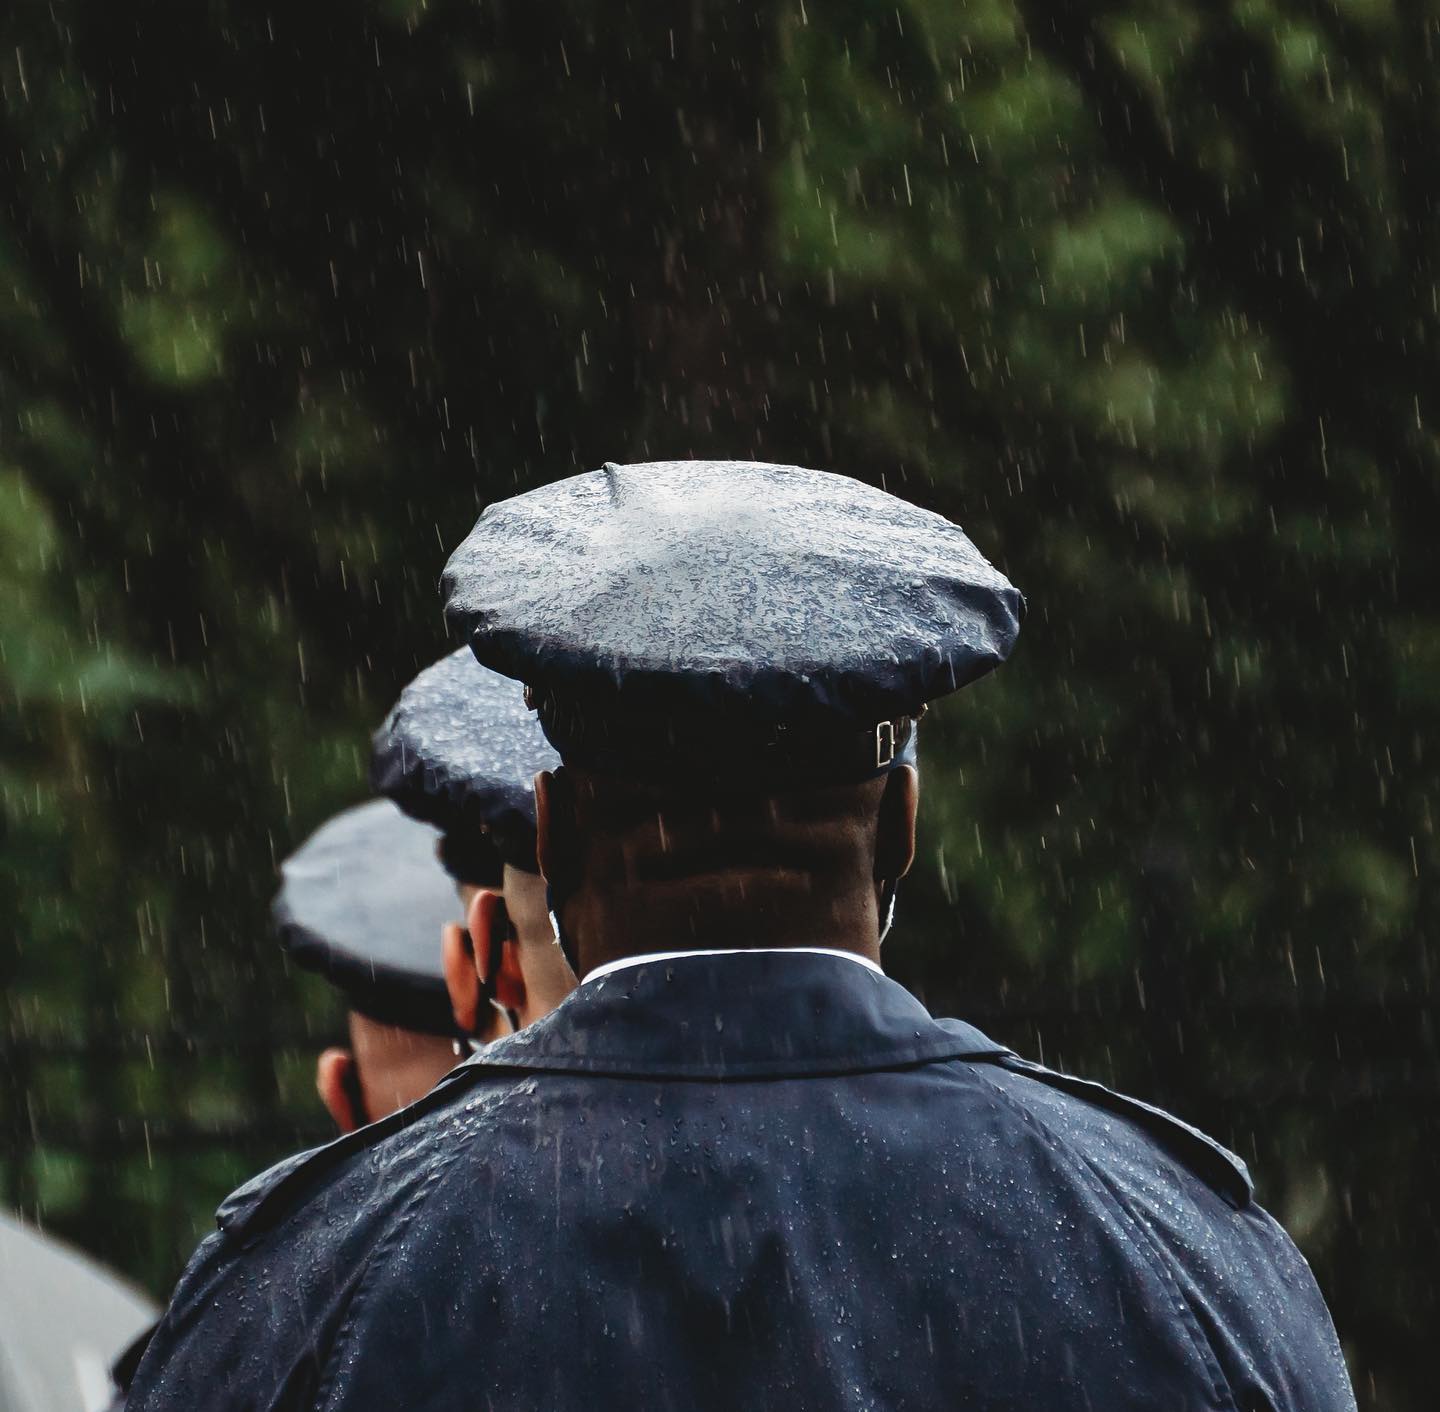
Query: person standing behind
369	900
362	902
460	750
738	1166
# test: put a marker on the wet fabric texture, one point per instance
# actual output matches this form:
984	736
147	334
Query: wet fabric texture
361	902
759	1181
461	750
730	588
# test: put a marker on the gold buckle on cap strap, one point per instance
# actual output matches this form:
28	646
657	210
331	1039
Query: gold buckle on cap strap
892	737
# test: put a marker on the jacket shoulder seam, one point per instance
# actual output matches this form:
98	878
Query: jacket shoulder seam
1141	1240
375	1264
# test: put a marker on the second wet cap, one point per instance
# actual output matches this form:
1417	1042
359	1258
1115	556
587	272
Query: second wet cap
460	750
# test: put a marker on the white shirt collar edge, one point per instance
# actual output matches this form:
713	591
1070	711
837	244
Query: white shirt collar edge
619	965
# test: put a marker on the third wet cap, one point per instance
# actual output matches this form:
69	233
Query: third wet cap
362	901
728	620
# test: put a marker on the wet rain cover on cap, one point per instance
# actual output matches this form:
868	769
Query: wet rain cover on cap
461	750
730	585
362	902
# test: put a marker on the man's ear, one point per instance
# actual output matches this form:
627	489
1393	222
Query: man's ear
489	927
895	827
555	828
510	988
337	1081
457	956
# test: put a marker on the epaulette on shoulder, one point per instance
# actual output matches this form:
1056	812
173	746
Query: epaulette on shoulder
236	1209
1216	1166
253	1208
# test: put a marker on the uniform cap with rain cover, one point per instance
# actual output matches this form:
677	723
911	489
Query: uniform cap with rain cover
362	903
461	750
728	620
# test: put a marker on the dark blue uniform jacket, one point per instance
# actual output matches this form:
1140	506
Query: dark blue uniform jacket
751	1181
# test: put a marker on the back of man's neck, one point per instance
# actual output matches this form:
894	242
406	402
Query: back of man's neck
605	928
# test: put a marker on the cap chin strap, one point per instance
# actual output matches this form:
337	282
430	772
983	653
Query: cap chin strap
567	947
725	750
887	903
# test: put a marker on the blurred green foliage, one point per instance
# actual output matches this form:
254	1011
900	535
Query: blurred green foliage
1144	294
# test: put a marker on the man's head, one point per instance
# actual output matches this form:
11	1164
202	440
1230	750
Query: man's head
647	867
731	660
362	902
461	750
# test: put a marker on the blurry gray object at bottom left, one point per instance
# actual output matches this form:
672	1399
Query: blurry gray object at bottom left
64	1319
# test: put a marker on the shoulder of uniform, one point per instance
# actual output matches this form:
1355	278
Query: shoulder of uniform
255	1207
1214	1164
238	1209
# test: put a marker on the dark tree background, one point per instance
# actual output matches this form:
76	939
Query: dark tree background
1144	294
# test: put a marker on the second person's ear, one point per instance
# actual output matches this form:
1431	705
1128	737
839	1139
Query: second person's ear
489	927
461	979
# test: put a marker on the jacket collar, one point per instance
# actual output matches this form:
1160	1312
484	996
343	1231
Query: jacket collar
737	1015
